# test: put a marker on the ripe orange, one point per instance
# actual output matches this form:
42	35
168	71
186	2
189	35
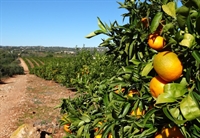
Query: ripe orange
98	136
138	112
66	128
156	42
158	136
97	128
172	132
132	92
119	90
157	86
168	66
110	136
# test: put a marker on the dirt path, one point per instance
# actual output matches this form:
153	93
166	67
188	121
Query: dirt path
29	99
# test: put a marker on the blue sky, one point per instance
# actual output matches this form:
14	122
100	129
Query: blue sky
54	22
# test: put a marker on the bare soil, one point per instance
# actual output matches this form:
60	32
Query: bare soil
30	99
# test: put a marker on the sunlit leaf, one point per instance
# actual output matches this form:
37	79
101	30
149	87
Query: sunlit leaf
101	25
147	69
171	92
188	40
174	112
169	9
175	89
189	107
92	34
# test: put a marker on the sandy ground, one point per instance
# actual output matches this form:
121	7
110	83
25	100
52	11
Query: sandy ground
29	99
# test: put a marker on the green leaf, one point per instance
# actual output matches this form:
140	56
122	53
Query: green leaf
168	27
118	97
175	89
196	55
164	1
107	129
125	110
193	14
135	61
148	115
184	81
197	24
181	21
183	10
165	98
147	69
169	116
198	85
156	21
127	47
80	131
128	69
85	118
169	9
106	100
92	34
101	25
189	107
174	112
190	28
149	131
81	123
131	47
188	40
114	114
171	92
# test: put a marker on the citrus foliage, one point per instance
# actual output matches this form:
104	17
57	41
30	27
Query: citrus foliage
178	105
82	70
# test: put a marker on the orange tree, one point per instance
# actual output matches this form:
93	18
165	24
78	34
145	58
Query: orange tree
174	111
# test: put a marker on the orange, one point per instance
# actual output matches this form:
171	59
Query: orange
168	66
98	136
172	132
97	128
156	42
132	92
138	112
159	136
110	136
66	128
157	86
145	22
119	90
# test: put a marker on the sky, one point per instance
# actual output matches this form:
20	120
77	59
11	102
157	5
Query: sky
62	23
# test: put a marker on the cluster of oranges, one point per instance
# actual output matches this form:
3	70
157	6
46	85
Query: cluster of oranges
138	112
166	63
168	68
170	132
